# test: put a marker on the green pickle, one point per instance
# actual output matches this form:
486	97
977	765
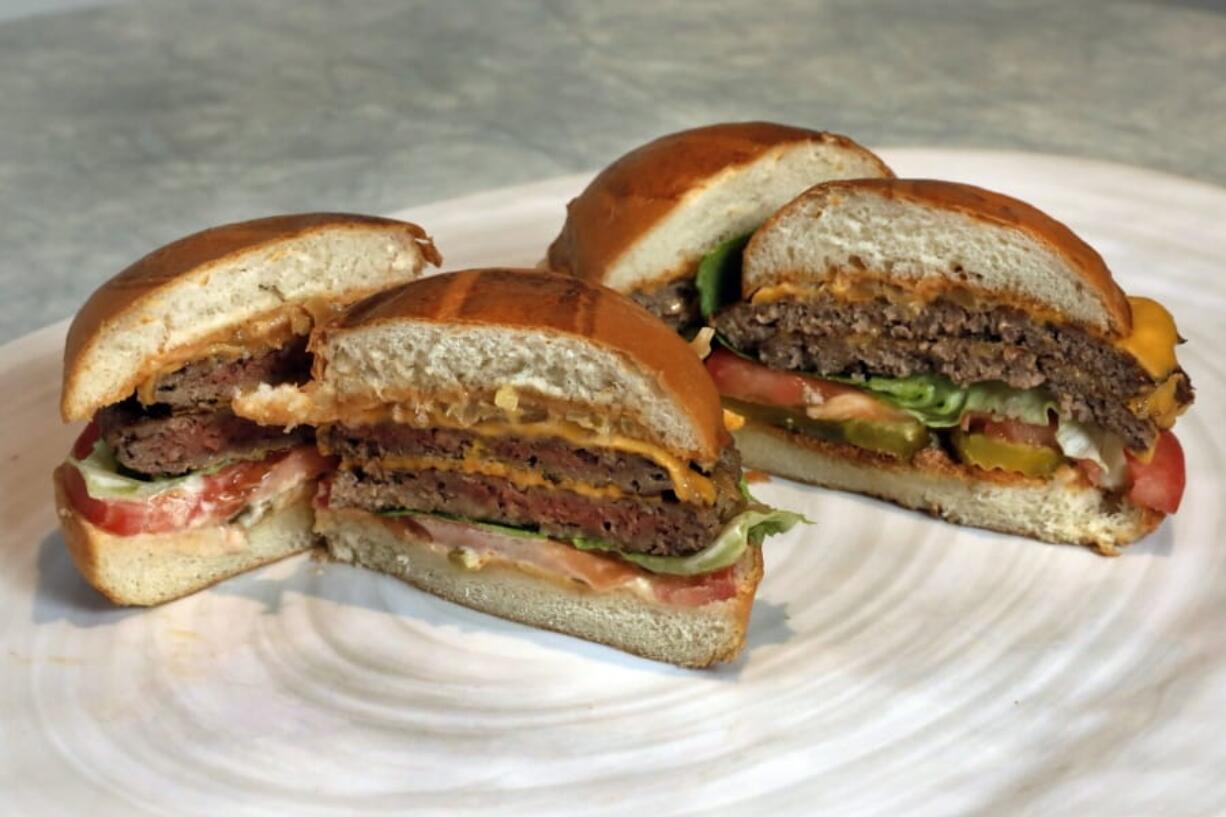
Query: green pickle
987	452
900	439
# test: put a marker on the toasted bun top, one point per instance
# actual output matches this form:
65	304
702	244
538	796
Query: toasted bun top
201	289
932	236
520	339
649	217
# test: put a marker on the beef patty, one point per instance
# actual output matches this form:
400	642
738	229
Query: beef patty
1092	380
190	427
647	518
553	458
675	303
212	382
159	442
637	524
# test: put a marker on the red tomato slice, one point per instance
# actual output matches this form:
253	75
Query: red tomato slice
1092	470
85	443
752	382
220	495
1014	431
696	591
1159	483
165	512
601	572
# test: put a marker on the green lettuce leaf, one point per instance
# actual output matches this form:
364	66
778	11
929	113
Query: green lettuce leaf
719	276
1083	441
492	527
103	479
1033	406
750	527
747	528
937	402
743	485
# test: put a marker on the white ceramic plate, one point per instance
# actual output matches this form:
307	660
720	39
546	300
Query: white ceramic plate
896	665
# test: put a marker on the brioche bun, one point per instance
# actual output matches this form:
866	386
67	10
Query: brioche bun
932	235
209	284
1063	509
686	636
649	217
472	338
151	568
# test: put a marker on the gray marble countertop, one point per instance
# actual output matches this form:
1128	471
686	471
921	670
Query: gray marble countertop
123	126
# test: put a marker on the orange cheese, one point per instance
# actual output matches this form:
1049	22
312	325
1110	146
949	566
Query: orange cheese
687	484
288	406
1160	404
474	463
777	292
733	421
1153	337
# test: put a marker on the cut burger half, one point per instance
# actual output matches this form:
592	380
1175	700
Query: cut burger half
644	223
538	448
167	490
952	350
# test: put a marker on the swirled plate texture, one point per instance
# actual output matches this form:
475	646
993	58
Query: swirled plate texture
896	665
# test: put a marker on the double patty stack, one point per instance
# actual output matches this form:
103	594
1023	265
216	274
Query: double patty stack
538	448
182	421
563	489
167	490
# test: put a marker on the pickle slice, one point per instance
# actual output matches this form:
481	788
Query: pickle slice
900	439
988	453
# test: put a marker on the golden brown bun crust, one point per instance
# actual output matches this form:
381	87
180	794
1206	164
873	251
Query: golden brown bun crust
164	265
632	194
532	299
1002	210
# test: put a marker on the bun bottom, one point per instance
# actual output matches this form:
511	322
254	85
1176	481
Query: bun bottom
1061	510
152	568
620	618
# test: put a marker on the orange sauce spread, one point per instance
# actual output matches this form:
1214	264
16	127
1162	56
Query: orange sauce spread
858	287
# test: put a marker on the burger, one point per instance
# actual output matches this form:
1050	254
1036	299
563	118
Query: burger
646	221
535	447
953	350
167	490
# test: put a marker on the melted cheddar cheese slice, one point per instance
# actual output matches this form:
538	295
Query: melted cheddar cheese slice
1153	337
733	421
290	406
688	485
474	463
1159	404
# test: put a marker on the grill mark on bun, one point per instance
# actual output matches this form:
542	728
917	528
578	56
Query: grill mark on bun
455	298
549	303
